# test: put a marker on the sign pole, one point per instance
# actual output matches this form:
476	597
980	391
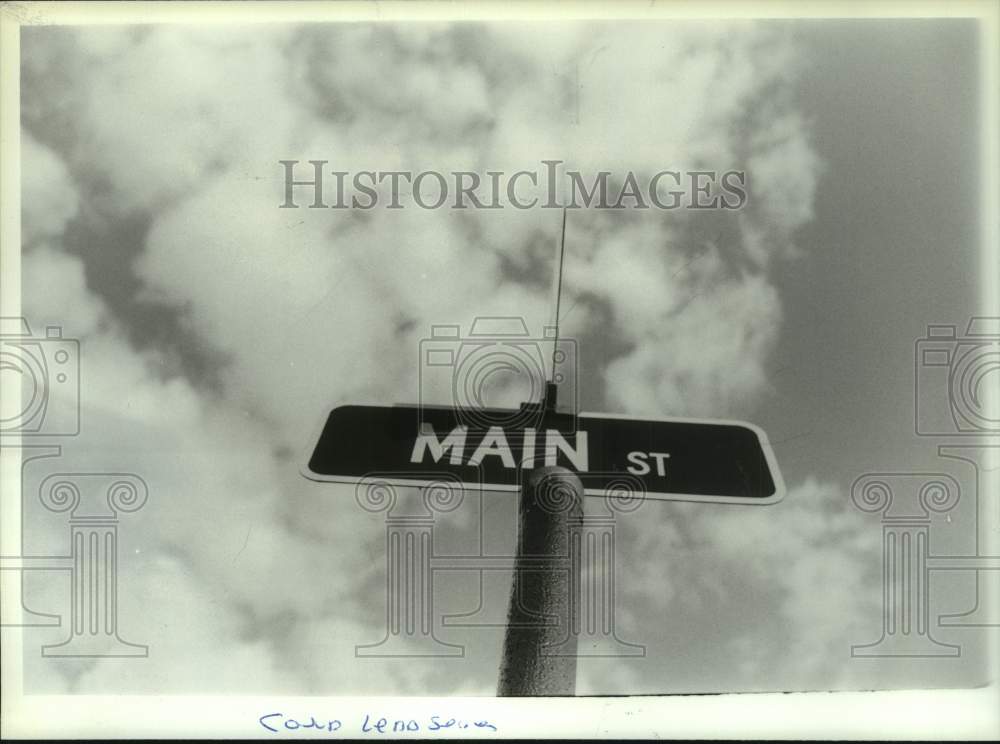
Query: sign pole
540	619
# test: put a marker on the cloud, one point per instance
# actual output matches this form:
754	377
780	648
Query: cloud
822	566
54	292
162	108
219	550
48	196
767	598
714	362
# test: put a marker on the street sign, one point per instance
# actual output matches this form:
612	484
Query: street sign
674	459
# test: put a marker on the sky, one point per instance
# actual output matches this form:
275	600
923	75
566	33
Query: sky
217	329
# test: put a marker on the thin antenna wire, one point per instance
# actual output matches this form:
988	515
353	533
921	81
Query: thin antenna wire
562	255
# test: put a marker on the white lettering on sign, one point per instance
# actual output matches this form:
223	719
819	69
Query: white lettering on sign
554	442
640	466
427	439
495	444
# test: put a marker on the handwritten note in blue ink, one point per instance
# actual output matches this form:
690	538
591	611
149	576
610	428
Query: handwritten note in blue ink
372	725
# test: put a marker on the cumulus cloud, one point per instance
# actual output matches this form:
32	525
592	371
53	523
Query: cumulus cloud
48	196
277	577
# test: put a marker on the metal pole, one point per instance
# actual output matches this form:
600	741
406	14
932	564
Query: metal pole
539	650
